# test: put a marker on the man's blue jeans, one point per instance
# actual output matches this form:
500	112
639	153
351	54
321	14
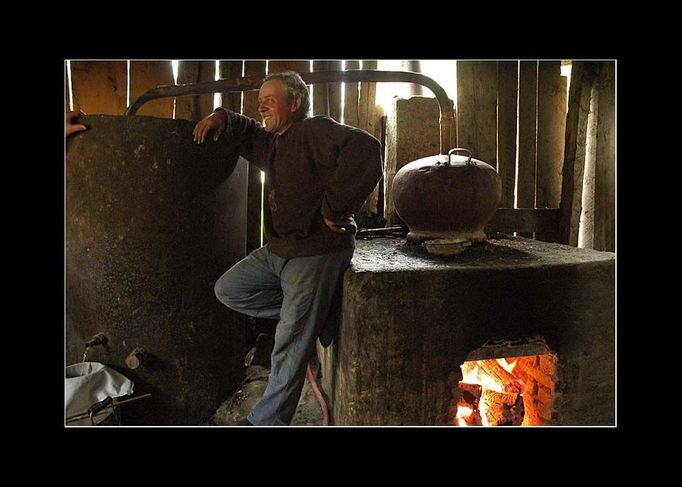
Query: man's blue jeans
298	292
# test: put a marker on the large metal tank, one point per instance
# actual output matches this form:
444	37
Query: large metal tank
152	220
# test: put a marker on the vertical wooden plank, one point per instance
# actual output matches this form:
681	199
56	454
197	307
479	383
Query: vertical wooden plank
507	90
582	77
199	106
381	200
369	119
335	101
525	191
320	98
352	92
605	163
145	75
477	109
367	114
187	107
327	96
255	190
250	103
231	70
550	134
100	87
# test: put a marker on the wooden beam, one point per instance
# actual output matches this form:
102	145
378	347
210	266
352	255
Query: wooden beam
100	87
605	162
524	220
575	146
278	66
145	75
477	109
507	90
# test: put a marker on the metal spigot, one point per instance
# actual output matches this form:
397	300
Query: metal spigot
136	358
99	339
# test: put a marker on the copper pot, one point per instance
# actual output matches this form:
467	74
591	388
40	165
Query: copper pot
447	197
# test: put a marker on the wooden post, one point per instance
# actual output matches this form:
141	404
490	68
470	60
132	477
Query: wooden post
586	179
100	87
145	75
550	137
477	109
350	105
198	106
231	70
507	90
605	163
550	133
582	77
414	66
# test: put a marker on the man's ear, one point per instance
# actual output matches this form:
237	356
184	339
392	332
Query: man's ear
296	104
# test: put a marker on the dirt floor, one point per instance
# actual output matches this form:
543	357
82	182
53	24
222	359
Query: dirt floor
308	413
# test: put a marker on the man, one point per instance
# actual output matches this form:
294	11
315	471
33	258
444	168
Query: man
71	126
319	173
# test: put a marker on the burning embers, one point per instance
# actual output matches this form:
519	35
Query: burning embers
506	392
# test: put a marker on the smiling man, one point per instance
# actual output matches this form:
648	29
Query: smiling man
319	174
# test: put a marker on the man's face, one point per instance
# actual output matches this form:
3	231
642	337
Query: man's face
274	107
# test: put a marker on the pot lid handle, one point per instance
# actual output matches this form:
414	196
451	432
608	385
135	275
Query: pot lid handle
469	162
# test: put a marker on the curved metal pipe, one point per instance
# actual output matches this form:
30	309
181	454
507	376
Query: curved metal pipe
248	83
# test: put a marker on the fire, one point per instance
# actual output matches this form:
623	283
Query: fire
490	393
463	414
506	365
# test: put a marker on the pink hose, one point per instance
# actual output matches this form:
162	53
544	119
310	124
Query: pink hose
318	395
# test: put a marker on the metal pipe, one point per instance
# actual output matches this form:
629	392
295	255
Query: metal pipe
99	339
115	402
248	83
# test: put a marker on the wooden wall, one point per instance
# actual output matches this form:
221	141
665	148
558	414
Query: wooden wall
510	114
519	117
590	134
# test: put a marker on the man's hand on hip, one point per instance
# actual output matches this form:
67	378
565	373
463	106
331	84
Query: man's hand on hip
340	226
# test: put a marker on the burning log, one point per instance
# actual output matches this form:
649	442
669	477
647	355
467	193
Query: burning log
495	373
501	408
467	405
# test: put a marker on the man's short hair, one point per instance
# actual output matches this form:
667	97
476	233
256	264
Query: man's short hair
294	86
